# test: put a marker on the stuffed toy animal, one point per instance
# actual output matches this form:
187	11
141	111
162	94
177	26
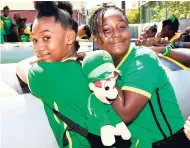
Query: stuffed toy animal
102	120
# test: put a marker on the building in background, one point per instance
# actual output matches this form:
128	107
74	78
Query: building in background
26	10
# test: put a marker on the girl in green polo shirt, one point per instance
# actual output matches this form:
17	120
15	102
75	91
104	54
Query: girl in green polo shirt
144	85
23	37
53	75
7	21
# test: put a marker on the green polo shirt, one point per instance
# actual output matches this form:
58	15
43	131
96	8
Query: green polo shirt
142	73
2	31
63	86
24	38
7	24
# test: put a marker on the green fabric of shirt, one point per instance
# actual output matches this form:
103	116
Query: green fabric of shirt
143	73
62	86
7	24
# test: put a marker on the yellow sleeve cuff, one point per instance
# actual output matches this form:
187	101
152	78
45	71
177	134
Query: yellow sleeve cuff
137	90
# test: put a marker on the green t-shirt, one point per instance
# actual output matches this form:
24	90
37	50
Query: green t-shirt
24	38
63	86
142	73
2	31
7	24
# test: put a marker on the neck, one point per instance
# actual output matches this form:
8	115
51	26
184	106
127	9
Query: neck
71	53
169	37
117	60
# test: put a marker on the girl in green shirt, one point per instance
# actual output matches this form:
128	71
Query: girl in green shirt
143	81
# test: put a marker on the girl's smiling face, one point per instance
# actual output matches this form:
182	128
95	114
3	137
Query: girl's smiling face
113	33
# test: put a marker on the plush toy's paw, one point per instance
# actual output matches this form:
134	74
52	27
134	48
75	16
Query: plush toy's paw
108	135
121	129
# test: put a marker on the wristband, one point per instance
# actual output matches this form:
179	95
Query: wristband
181	44
166	51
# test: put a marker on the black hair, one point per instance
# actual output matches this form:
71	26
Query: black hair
153	28
173	23
22	19
20	27
98	15
6	7
31	27
87	31
75	28
61	11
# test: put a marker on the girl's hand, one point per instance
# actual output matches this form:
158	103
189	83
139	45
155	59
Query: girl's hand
187	128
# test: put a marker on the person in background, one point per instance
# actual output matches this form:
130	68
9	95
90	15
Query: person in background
7	21
14	36
2	33
23	37
180	55
16	19
170	29
147	35
187	30
22	22
84	33
151	32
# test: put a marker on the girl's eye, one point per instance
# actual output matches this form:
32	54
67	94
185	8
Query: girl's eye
46	38
107	30
34	40
122	27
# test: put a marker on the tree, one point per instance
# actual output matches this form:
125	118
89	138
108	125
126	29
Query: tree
100	6
133	16
180	9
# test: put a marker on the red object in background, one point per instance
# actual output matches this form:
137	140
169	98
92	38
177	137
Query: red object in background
30	15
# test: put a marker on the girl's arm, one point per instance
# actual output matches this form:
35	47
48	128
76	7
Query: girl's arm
129	104
176	54
24	66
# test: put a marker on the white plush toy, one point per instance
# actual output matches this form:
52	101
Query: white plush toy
102	76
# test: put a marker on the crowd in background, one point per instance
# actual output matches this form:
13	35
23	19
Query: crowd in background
13	31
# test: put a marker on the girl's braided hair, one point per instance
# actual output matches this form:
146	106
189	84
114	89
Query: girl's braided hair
96	19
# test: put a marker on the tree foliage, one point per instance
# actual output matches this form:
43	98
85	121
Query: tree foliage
133	16
161	10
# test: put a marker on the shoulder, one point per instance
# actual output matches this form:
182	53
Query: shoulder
142	59
10	18
43	67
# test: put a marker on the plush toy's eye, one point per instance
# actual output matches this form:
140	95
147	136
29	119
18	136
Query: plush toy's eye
107	88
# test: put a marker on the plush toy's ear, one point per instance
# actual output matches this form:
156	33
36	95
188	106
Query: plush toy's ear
115	75
92	86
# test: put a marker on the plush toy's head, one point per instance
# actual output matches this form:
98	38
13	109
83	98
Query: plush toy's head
100	71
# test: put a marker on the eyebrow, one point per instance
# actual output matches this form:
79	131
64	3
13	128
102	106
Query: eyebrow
46	30
119	21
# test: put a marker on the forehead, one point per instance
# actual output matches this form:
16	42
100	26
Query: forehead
46	23
6	9
113	14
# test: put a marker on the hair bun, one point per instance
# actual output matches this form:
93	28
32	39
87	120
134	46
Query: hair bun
155	25
65	5
45	6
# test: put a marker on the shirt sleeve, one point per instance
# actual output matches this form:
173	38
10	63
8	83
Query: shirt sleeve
141	75
38	77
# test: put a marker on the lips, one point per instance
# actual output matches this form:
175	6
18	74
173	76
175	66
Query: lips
118	42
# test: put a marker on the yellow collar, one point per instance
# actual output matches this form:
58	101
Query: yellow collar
127	54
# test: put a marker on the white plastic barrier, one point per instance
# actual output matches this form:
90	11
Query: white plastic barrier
24	124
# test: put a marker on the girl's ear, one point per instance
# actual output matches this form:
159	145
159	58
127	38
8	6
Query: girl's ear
71	36
96	40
